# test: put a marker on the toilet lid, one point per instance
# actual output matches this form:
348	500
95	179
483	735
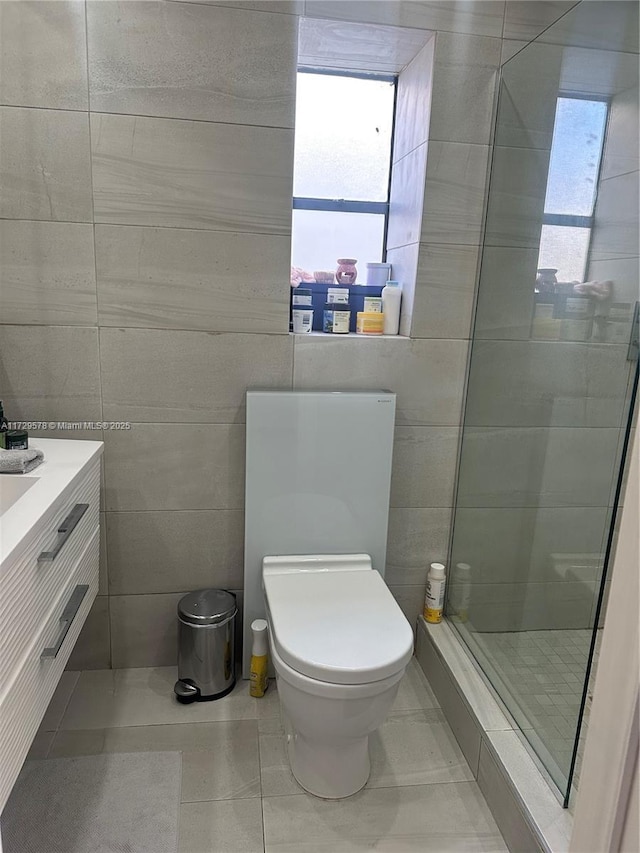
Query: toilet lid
343	627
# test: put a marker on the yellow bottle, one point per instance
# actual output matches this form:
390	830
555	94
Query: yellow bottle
259	658
434	597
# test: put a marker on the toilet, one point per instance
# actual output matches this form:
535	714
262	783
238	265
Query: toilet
318	473
339	645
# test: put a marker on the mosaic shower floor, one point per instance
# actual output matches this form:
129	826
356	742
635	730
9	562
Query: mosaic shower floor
544	671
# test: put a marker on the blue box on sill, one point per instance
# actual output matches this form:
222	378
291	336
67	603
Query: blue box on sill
357	293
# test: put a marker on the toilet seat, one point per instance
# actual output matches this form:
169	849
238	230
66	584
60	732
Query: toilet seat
340	627
327	690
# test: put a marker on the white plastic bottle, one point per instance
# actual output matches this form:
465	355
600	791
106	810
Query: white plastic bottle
391	299
434	597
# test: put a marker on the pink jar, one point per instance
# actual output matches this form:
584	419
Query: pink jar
346	272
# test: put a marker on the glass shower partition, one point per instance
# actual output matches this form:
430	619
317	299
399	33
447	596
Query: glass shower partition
552	374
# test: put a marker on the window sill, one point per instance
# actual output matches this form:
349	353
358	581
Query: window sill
349	335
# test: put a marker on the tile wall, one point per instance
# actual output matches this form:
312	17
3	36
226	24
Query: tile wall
145	191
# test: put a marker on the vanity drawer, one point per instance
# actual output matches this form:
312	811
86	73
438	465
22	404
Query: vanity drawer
31	584
26	693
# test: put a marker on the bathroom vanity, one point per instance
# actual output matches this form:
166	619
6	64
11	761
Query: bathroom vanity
49	554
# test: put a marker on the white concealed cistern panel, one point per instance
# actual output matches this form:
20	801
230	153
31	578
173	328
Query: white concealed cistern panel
318	477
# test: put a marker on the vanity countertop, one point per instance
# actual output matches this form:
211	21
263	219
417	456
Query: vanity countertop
26	498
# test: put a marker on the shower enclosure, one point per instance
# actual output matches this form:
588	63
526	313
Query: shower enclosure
552	375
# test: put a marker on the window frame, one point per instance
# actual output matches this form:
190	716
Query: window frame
342	205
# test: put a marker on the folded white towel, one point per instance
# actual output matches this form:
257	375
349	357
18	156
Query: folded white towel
20	461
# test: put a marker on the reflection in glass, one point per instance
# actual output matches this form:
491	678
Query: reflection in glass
564	249
578	135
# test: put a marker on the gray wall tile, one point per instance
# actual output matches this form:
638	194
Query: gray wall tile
499	796
283	7
404	268
546	383
192	61
48	273
406	197
528	97
518	466
516	197
175	466
223	177
552	606
506	296
413	102
410	599
526	19
92	649
427	375
509	49
454	193
416	538
173	551
459	16
621	147
424	460
464	82
371	48
44	57
445	287
45	168
166	278
144	630
616	217
50	373
591	26
198	377
506	545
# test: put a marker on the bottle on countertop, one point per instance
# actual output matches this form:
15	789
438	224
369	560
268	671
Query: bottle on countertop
259	658
434	597
391	299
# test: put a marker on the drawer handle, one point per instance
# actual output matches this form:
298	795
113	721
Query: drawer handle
64	532
68	615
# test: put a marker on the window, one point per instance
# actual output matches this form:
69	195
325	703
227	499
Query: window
576	151
344	126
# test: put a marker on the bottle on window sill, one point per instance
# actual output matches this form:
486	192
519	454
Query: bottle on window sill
391	299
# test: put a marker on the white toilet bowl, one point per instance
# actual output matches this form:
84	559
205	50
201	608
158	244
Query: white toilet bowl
340	646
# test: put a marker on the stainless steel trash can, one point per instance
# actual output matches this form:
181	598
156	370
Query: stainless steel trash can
206	653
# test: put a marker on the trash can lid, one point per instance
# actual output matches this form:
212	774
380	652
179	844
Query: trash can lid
207	606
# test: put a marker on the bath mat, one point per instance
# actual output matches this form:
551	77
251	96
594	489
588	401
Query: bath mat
121	803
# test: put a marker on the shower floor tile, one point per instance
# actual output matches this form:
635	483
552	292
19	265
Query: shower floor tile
544	672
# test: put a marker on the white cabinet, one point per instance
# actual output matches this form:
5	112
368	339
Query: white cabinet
49	555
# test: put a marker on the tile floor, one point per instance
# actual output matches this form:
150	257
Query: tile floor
544	672
238	795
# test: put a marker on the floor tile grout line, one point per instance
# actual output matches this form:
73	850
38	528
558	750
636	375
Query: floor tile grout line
303	793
